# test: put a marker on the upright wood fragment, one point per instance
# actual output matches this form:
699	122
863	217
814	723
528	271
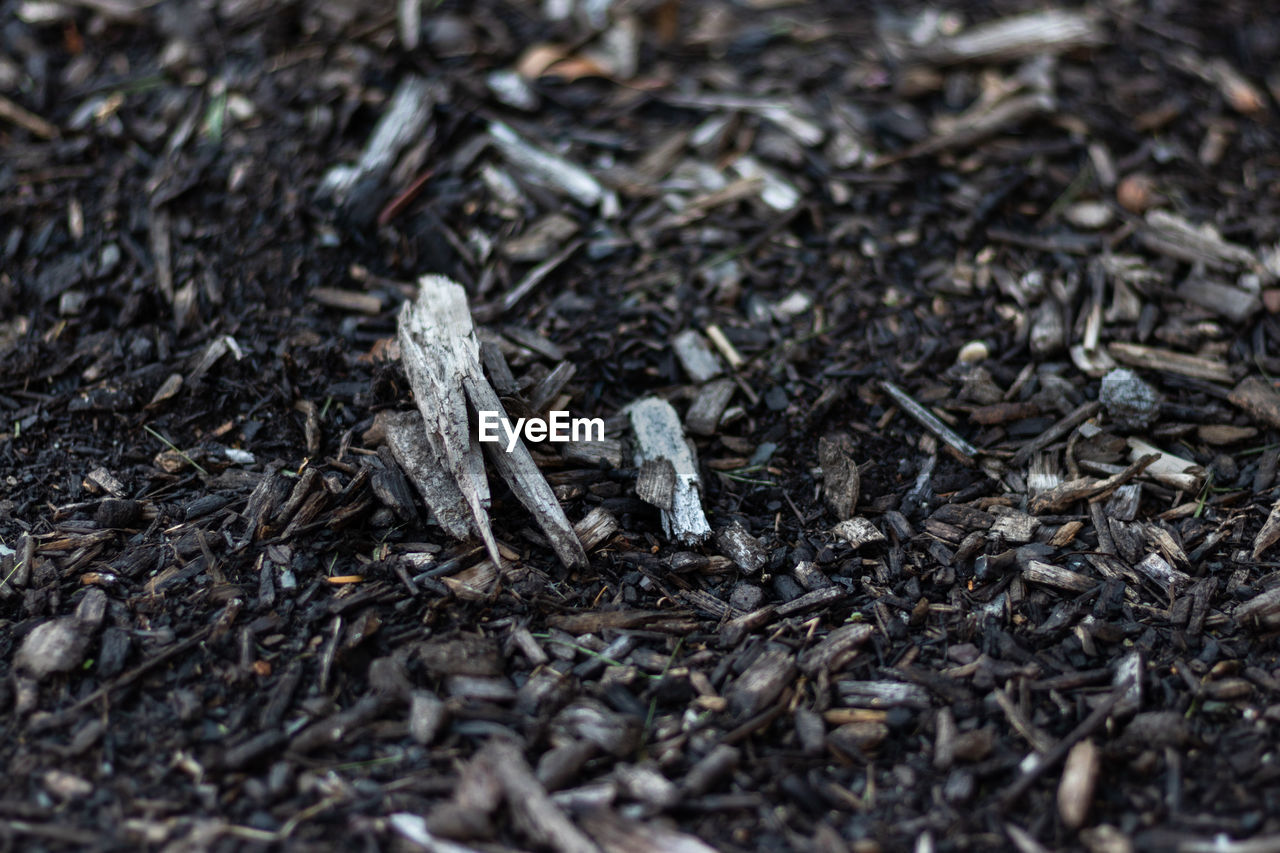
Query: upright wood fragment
440	353
661	445
1270	532
442	360
521	473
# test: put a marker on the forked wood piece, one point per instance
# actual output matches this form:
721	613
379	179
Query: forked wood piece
442	360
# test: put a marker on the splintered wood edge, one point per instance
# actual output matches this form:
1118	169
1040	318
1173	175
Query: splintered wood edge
521	473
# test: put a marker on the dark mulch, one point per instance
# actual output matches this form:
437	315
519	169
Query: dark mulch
226	623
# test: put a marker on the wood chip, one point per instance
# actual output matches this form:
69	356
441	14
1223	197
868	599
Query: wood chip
1170	234
670	474
743	548
532	810
928	420
858	532
547	169
1056	576
1261	612
703	416
1064	495
761	683
725	347
1225	300
1048	32
1182	474
841	484
1259	399
1154	358
26	119
348	300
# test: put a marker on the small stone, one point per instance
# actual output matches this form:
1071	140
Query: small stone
1136	193
1131	402
108	259
92	609
776	399
974	745
746	597
1091	215
56	646
72	302
973	352
66	786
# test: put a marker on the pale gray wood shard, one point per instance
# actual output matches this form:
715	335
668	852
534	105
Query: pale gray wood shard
1171	235
441	357
408	441
401	125
858	532
743	548
1052	31
882	694
440	353
1165	576
659	438
521	473
547	169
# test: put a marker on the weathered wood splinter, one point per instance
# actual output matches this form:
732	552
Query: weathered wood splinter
442	360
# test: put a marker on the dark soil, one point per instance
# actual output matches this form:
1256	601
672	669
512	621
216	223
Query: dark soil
226	623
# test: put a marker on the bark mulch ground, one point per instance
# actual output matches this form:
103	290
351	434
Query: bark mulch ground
966	315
